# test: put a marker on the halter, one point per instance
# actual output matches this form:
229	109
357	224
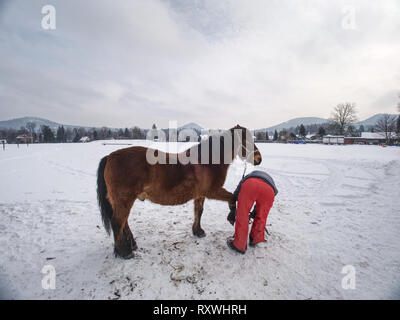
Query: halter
245	160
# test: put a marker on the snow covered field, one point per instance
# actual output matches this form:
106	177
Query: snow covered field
337	206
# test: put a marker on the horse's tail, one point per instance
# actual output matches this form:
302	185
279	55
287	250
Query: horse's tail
104	204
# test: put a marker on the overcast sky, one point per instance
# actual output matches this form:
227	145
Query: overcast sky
218	63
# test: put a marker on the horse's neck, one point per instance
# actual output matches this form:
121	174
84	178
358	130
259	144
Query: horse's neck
227	153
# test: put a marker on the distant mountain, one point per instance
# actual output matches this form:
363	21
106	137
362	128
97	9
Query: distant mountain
191	125
293	123
371	121
21	122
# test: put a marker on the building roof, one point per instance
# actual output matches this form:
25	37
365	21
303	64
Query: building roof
84	139
373	135
24	136
330	136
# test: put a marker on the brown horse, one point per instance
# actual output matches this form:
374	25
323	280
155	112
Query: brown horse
126	175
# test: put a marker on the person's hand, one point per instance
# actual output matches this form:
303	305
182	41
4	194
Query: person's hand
232	215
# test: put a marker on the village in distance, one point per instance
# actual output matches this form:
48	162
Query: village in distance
342	127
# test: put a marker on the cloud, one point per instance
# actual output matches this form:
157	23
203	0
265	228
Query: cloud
218	63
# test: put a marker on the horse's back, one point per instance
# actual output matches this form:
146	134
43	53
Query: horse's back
129	172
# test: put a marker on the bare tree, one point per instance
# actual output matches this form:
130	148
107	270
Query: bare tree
343	115
260	136
398	121
398	105
31	127
302	131
137	133
387	125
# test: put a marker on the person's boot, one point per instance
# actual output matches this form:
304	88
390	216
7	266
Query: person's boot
230	244
251	242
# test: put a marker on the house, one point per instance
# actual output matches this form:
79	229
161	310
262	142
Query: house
366	138
374	137
84	139
24	138
350	140
333	139
313	136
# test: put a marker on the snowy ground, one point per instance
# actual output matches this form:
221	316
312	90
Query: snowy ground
337	206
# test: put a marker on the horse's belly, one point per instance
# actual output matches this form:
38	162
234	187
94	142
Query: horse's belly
166	198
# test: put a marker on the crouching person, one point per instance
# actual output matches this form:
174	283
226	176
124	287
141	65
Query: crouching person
257	187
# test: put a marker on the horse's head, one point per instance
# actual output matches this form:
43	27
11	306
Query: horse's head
244	145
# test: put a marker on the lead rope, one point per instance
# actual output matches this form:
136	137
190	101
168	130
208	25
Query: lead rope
245	167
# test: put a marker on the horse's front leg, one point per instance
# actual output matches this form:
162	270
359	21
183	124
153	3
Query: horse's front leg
223	195
198	211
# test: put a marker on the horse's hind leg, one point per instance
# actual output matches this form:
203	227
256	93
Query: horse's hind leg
124	243
198	211
128	236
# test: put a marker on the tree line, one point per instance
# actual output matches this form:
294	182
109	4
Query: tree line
62	134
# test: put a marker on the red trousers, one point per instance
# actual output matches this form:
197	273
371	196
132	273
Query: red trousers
260	192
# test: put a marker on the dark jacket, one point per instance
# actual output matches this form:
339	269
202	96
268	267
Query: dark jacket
256	174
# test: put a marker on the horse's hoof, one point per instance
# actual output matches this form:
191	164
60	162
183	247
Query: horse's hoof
133	245
123	253
199	233
126	256
129	256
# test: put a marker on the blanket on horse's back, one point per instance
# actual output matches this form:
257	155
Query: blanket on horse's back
256	174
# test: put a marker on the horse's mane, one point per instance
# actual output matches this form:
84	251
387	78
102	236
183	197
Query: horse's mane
219	138
214	136
211	141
